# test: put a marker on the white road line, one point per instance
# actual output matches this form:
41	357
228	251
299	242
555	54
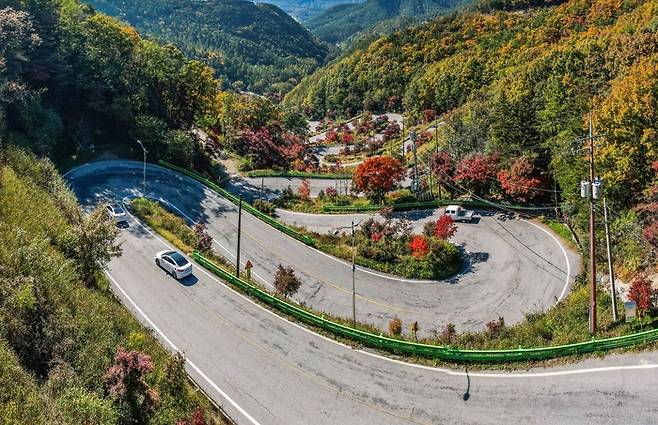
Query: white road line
566	257
445	371
511	375
187	360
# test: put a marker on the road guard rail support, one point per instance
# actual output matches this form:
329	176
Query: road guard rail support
426	350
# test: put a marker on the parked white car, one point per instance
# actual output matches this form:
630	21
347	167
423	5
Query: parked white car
174	263
116	212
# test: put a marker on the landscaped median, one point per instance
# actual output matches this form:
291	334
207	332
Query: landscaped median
245	205
446	353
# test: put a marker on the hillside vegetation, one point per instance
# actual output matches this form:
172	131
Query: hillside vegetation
521	83
343	21
62	334
255	47
306	9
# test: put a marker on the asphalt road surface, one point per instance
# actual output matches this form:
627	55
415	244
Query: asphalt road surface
512	267
265	370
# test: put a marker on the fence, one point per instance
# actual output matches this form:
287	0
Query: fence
427	350
245	205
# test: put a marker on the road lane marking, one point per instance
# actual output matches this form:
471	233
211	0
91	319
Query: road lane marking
446	371
564	251
187	360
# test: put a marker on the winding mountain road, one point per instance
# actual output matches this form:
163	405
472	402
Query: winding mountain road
266	370
513	266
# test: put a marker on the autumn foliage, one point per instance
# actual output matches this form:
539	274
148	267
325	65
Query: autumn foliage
476	171
419	246
520	181
125	381
304	190
376	176
445	227
642	293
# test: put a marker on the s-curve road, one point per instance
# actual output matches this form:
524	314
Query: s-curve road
513	266
265	370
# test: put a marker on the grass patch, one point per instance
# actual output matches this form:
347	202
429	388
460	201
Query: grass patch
561	229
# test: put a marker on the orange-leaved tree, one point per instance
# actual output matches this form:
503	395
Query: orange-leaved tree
376	176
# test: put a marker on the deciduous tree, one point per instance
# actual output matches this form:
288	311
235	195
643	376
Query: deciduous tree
520	181
445	227
285	281
376	176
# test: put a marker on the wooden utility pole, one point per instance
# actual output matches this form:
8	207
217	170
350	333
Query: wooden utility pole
237	257
592	234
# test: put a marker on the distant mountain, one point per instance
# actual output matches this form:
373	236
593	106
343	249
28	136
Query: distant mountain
343	21
304	10
255	47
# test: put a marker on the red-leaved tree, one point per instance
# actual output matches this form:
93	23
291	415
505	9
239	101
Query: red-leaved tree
304	190
376	176
642	293
520	180
419	246
476	171
125	382
445	227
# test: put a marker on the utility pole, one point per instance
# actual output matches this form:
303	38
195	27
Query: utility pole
591	190
610	271
353	276
144	180
436	134
412	137
237	257
262	187
592	233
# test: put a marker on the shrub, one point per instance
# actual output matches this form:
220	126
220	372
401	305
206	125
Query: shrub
448	333
304	190
445	227
495	327
419	246
642	293
204	240
331	192
125	381
265	207
285	281
395	326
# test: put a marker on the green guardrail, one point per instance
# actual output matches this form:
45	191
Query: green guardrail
427	350
298	174
245	205
402	206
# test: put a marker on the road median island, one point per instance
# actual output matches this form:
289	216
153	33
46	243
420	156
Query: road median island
179	233
245	205
411	348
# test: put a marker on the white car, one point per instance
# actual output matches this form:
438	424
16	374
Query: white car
174	263
116	212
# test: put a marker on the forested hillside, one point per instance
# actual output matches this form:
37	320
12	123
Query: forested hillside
69	352
255	47
343	21
305	9
521	83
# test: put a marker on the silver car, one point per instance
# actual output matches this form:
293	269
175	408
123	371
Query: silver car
116	212
174	263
